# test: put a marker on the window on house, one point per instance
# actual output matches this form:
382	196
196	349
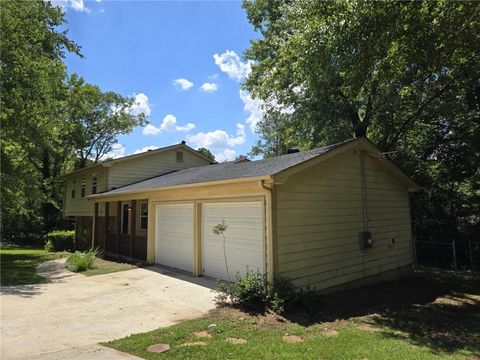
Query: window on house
74	184
143	216
94	184
125	217
82	190
179	157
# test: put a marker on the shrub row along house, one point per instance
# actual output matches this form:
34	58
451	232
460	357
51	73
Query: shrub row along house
326	217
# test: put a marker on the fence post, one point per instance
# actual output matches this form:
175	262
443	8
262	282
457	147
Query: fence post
415	261
471	258
454	255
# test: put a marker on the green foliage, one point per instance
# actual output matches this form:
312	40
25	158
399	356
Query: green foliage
49	246
220	228
96	119
60	240
51	122
206	152
252	292
248	292
82	261
405	73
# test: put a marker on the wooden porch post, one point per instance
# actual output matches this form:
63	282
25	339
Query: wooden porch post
95	223
133	219
107	224
119	223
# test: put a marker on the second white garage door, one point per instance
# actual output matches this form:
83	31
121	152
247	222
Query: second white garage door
174	236
243	238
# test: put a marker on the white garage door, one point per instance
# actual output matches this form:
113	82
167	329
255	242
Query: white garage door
174	238
243	239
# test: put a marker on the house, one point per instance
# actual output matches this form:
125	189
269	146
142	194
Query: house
114	173
323	218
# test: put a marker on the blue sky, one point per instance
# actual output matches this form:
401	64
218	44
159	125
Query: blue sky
182	62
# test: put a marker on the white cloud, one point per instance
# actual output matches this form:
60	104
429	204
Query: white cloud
253	107
213	76
118	150
76	5
209	87
225	155
169	123
141	105
182	84
231	64
146	148
151	130
219	140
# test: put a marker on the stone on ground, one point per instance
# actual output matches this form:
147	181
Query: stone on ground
158	348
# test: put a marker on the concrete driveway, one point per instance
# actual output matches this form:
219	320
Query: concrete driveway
66	319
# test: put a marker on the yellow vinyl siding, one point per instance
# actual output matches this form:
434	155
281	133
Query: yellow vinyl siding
80	206
319	215
136	169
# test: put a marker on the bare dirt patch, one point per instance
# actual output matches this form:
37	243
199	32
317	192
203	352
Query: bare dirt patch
329	332
195	343
236	341
292	339
202	334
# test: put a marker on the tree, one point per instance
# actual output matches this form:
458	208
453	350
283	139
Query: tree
206	152
32	115
48	118
366	67
97	118
405	74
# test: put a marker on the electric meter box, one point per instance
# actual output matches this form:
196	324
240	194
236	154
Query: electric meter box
365	240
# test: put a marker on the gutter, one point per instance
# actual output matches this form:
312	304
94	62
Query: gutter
172	187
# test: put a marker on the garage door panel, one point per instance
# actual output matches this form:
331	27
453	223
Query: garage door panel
244	238
174	238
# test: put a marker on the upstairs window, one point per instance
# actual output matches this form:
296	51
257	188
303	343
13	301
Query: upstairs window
143	216
82	190
179	157
74	184
94	184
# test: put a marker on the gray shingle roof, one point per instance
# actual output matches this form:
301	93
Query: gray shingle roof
225	171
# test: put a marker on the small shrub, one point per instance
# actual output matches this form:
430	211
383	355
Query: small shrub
60	240
82	261
248	292
251	292
49	246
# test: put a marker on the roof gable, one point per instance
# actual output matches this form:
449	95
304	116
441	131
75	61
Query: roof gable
285	165
110	162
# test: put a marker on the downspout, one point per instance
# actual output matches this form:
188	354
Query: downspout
269	221
364	204
364	190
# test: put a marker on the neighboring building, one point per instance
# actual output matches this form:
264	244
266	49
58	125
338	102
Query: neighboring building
307	216
115	173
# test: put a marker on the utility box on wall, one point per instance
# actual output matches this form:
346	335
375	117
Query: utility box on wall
365	240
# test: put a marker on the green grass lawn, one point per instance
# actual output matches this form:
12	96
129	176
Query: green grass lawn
19	265
101	266
411	319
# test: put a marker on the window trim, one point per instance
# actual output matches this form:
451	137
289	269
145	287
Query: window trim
74	186
94	183
143	216
83	188
179	157
122	217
